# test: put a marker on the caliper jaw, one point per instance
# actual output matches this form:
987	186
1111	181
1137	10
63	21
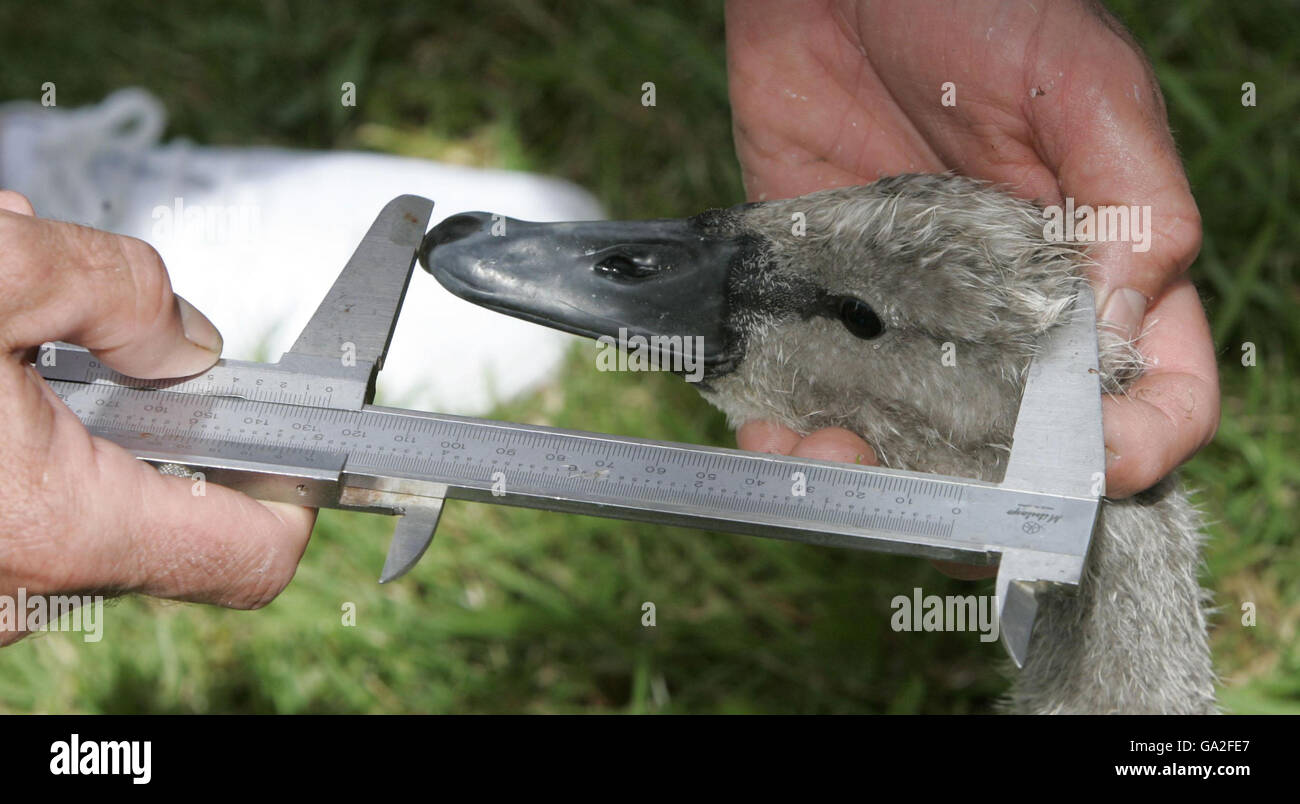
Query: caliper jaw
1052	455
349	334
1023	575
418	506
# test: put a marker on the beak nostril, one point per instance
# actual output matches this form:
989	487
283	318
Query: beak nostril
617	266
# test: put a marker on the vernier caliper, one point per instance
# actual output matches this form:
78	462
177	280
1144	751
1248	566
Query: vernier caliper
303	430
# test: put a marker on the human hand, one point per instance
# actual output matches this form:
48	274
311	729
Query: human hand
79	514
1050	103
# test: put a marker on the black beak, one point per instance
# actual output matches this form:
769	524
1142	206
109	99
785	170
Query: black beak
662	278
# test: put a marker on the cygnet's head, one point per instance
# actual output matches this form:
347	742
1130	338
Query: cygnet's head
906	310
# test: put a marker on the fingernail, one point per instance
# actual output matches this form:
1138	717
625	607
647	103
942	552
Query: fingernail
198	329
1123	312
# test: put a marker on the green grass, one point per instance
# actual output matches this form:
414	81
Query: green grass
517	610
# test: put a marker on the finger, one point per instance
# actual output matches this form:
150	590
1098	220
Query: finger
102	291
1172	410
760	436
11	201
218	547
835	444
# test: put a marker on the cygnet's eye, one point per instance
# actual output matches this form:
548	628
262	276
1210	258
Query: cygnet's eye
860	319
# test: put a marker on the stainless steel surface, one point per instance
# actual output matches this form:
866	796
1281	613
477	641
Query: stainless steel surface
297	431
354	324
1057	445
854	506
1056	449
412	536
267	382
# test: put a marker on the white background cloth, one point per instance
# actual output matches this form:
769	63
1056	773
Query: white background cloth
297	217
